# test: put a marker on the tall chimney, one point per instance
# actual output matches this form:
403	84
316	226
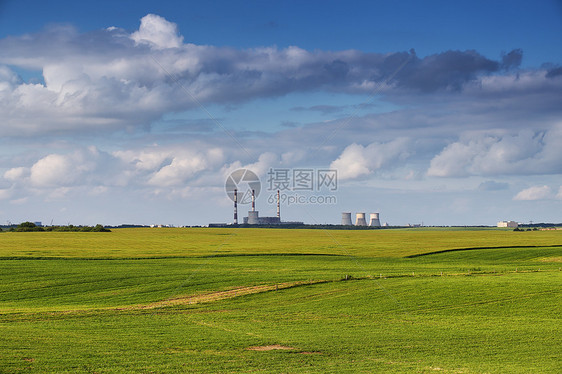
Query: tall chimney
253	200
278	206
235	206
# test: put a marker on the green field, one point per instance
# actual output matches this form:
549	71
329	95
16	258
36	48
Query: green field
286	301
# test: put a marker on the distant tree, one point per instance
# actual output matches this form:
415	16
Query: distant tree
100	228
28	226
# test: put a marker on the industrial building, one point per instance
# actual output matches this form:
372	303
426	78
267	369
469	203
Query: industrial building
375	222
511	224
360	220
254	218
346	219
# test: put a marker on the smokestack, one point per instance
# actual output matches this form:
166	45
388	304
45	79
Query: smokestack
235	206
253	200
360	219
375	222
278	206
346	219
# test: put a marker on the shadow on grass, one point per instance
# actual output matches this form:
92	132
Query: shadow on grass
477	248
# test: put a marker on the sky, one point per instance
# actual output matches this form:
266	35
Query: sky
137	112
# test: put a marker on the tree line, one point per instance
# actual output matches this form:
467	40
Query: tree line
30	226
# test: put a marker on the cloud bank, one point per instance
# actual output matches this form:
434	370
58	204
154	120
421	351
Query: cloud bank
111	79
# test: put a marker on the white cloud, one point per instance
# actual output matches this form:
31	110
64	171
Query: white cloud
158	32
456	157
16	174
8	79
178	171
527	152
357	160
534	193
265	161
52	170
168	166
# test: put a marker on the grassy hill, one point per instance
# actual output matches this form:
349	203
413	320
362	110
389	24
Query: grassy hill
273	300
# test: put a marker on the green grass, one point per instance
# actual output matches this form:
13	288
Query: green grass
139	300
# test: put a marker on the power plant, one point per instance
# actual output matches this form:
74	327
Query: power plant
360	219
374	220
254	217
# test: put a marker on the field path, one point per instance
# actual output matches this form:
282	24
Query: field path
221	295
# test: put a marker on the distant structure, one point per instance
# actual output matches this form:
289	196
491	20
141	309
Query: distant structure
255	219
360	219
278	206
235	206
374	221
253	215
511	224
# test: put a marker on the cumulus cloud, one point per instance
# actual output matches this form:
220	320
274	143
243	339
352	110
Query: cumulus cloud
110	79
158	33
156	168
167	167
534	193
53	170
357	160
15	174
527	152
260	167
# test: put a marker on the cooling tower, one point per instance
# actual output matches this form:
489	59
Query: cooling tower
253	217
346	219
375	222
360	219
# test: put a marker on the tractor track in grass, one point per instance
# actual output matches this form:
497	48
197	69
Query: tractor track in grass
221	295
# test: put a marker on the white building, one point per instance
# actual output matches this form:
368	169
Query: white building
511	224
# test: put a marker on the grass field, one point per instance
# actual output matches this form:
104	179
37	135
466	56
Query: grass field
287	301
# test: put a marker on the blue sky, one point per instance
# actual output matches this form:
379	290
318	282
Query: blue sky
447	113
